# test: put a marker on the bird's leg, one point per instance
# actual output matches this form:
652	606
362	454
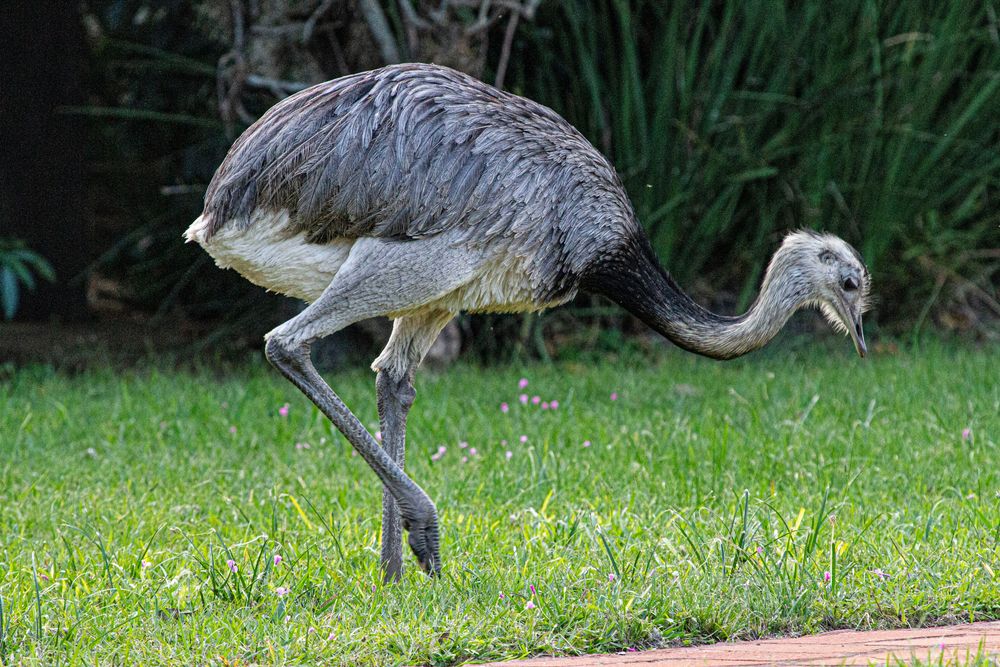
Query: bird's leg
379	278
419	515
395	396
412	336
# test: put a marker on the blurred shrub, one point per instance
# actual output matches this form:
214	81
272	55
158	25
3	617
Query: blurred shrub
734	122
18	268
731	123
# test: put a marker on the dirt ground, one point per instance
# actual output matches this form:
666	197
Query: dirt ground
118	342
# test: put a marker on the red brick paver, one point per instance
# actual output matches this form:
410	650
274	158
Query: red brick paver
843	647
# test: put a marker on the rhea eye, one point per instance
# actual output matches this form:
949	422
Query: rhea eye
850	284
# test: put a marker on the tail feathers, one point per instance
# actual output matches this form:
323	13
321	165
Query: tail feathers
198	231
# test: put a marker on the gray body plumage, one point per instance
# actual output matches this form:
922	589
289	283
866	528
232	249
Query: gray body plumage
417	151
416	192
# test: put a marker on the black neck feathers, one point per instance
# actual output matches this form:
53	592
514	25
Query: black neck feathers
633	278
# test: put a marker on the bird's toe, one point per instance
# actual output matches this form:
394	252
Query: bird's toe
422	536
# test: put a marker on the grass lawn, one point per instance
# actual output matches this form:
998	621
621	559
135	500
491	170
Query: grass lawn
790	492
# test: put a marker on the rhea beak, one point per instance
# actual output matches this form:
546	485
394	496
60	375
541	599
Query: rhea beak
858	336
852	320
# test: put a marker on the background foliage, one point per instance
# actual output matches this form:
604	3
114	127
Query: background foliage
730	122
19	267
734	122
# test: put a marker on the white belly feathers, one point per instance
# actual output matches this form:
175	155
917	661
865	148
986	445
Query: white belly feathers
266	255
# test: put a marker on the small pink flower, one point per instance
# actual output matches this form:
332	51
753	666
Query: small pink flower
378	435
827	576
522	383
524	439
966	433
463	445
312	630
278	559
529	605
545	405
301	445
760	551
614	396
332	635
288	619
502	596
554	405
509	455
586	443
465	459
523	398
231	564
504	408
535	400
503	442
532	587
472	451
611	577
879	573
283	410
146	564
232	429
43	576
281	591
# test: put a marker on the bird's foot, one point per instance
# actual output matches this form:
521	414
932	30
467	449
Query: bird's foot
422	536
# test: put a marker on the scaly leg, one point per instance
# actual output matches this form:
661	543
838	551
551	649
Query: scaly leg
378	278
418	512
395	396
411	337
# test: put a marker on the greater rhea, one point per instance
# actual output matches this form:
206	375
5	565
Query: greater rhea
415	192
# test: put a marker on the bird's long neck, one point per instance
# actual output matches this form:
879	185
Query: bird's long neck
636	281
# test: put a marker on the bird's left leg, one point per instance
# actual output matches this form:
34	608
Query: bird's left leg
412	336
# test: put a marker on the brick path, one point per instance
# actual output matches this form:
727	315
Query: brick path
842	647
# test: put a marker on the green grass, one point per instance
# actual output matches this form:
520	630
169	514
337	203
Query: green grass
981	657
718	495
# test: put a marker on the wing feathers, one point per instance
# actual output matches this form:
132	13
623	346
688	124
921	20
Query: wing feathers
411	151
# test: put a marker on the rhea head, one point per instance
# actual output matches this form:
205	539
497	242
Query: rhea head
835	278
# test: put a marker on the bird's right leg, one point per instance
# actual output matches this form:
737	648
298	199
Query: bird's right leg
416	508
378	278
411	337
